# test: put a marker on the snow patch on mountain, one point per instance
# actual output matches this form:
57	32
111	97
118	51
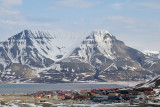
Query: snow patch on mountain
109	67
126	67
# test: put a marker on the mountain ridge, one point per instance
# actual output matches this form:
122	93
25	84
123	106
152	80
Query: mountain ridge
37	56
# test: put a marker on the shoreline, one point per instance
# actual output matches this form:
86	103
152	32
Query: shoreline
124	83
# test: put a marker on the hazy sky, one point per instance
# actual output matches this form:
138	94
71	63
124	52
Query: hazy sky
136	22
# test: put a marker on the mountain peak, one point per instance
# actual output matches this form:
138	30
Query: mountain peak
101	35
101	32
31	34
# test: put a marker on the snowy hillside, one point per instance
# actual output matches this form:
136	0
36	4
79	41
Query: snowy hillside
102	40
153	83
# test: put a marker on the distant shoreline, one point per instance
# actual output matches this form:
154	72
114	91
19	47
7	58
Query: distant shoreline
124	83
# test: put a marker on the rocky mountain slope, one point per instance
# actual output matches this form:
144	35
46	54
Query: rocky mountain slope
37	56
153	83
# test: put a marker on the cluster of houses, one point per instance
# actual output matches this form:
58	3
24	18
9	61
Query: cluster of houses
43	94
121	94
102	94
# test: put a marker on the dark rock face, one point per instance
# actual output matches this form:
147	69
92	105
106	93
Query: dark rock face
35	57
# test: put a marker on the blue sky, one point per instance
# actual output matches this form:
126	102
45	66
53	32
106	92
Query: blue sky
136	22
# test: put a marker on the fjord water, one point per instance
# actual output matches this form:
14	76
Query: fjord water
27	88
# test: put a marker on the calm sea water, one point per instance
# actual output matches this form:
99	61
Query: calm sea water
27	88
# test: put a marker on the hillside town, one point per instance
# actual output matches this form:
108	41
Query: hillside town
99	97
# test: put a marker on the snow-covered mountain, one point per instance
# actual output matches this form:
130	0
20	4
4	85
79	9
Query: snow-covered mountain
40	56
155	54
111	59
37	47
